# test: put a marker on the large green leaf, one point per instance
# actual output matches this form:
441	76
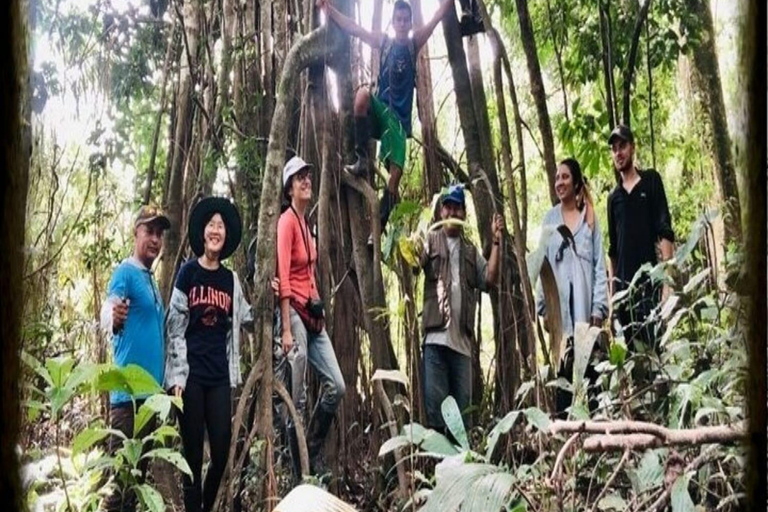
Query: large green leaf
162	434
142	418
150	498
131	451
612	501
37	366
537	418
489	493
59	369
171	456
454	422
132	379
649	473
501	428
159	404
414	432
87	438
436	443
618	353
84	373
58	397
455	481
681	499
391	375
584	338
393	444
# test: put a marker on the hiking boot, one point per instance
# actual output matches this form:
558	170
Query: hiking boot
358	169
362	134
470	25
318	431
293	446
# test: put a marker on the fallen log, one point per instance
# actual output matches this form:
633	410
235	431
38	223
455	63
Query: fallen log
640	435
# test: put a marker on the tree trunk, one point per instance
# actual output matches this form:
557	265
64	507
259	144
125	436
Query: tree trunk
179	146
265	29
539	94
433	176
706	79
310	48
169	57
753	70
650	94
13	190
607	59
629	71
558	48
524	309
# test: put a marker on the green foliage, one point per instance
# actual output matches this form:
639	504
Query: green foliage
82	475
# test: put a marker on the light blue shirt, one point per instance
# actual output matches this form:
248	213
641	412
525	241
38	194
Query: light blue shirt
141	340
581	267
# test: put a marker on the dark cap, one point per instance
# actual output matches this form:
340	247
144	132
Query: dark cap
455	194
149	213
623	132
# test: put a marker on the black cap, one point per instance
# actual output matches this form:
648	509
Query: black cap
622	132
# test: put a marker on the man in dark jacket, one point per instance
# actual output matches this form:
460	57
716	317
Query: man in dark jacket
638	221
454	270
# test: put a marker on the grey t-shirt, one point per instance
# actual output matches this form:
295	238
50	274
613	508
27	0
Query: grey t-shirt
452	336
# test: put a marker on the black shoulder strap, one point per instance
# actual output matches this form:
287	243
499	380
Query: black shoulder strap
304	237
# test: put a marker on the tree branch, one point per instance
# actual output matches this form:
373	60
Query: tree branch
608	484
297	423
639	435
630	69
386	405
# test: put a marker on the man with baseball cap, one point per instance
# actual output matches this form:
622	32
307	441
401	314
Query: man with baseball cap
638	220
133	315
454	270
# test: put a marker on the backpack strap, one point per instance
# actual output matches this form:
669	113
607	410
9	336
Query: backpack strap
386	48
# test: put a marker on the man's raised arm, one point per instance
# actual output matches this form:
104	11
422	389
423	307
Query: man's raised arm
349	26
423	33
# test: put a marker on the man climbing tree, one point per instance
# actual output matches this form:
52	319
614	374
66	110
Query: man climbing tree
386	114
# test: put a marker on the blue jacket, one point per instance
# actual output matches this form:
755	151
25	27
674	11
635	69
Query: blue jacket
582	266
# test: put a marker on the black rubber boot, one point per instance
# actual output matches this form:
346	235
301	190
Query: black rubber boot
470	23
293	446
318	431
387	204
362	134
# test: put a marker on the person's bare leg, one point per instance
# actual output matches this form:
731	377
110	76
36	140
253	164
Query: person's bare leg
362	102
362	132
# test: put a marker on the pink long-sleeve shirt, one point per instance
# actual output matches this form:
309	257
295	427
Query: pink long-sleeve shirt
297	279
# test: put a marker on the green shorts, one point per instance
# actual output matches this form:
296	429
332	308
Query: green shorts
386	127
